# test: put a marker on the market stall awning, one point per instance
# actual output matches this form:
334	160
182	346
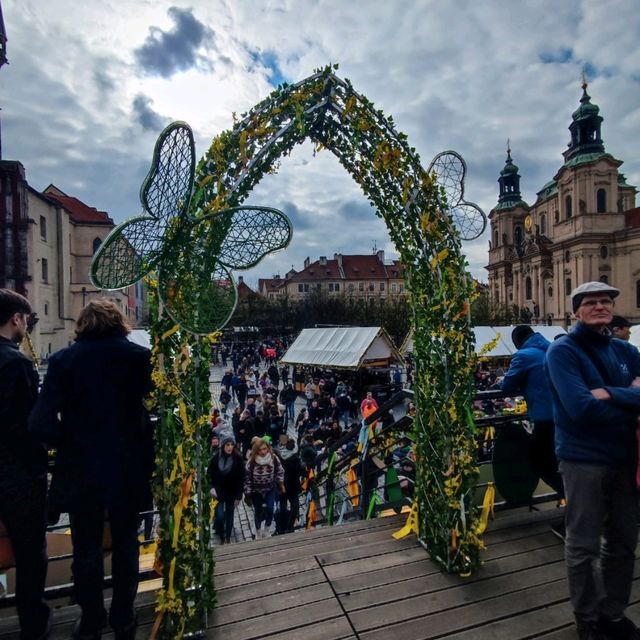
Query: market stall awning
504	347
635	336
341	347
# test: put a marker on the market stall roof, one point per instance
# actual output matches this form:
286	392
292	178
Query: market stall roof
341	347
141	337
504	348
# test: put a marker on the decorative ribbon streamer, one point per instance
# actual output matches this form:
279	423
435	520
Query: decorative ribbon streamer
311	514
353	487
412	523
487	508
170	332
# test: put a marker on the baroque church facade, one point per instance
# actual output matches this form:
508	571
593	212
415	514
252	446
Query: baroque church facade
583	226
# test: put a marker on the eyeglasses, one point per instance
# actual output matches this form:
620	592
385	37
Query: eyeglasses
605	302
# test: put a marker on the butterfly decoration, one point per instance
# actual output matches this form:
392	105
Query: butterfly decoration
192	252
450	171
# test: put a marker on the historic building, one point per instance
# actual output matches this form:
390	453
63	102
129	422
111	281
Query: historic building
357	276
47	241
583	226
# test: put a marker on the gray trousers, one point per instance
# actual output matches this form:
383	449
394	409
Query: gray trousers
601	537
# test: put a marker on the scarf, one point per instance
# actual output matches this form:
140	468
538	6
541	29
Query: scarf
225	463
268	459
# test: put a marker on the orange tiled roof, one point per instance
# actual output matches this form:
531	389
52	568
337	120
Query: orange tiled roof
79	212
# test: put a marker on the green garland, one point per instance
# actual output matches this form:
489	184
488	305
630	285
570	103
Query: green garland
197	231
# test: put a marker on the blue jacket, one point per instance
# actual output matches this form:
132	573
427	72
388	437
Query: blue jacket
526	376
590	430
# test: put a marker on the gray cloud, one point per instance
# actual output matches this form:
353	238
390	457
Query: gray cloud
145	115
165	53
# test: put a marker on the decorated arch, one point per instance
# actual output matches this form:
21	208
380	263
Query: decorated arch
195	231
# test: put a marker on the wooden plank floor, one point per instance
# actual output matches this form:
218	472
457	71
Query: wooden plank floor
356	581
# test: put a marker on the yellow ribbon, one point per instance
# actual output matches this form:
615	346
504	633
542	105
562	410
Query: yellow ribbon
170	332
177	461
172	572
412	523
487	508
183	415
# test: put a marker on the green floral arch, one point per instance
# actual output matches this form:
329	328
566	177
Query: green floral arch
185	237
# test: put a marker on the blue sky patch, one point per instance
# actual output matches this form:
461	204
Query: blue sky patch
559	56
269	61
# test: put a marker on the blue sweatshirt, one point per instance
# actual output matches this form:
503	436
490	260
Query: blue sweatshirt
587	429
526	376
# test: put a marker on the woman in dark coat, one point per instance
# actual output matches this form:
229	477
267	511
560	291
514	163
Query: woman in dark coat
91	411
226	474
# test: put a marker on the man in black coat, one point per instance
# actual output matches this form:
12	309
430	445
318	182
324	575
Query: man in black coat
91	410
23	469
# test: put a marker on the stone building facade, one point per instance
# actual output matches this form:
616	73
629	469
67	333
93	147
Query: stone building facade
583	226
47	241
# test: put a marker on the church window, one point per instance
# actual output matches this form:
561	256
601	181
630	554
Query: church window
550	292
568	204
543	224
567	287
495	238
567	255
527	288
601	201
604	252
605	279
517	235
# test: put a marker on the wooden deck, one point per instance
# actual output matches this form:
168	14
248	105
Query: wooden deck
356	581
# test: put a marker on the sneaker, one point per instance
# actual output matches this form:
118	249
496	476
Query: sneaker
559	531
589	631
623	629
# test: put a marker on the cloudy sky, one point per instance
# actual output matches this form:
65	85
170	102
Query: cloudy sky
91	84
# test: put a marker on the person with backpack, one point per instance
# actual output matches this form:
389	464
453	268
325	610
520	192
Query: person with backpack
226	475
595	385
263	480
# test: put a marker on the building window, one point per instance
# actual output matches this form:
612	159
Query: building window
46	308
360	286
527	288
352	287
382	286
567	287
604	252
43	228
300	288
318	287
557	216
517	235
495	239
400	287
567	255
372	286
568	207
605	279
543	224
394	287
96	244
336	286
601	201
550	292
306	288
45	270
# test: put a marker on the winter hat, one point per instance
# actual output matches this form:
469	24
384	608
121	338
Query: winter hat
619	322
521	334
226	438
591	288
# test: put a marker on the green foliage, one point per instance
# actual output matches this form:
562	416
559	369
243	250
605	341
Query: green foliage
283	316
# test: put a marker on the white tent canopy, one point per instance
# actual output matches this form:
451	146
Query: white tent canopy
635	336
341	347
484	335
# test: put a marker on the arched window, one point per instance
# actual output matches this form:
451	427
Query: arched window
495	238
543	224
604	279
517	235
527	288
604	252
96	244
601	201
568	204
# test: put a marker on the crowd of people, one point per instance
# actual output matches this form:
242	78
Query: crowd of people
583	396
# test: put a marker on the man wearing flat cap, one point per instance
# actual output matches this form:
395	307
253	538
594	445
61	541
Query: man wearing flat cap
595	385
620	328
